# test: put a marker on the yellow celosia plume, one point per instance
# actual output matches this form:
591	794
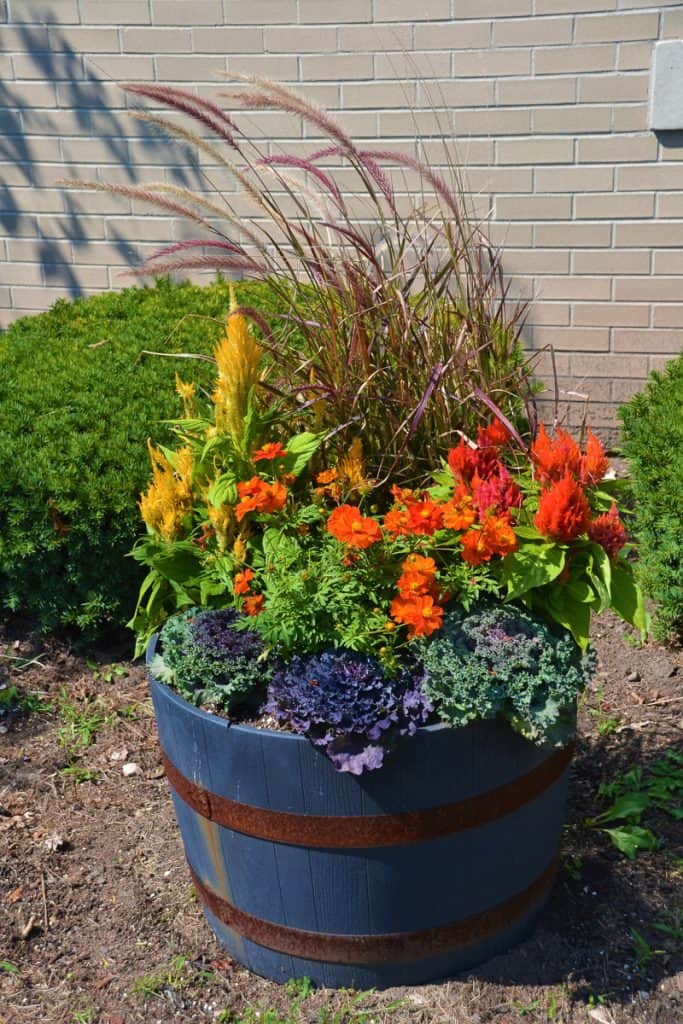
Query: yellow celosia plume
238	357
222	518
169	497
187	391
352	471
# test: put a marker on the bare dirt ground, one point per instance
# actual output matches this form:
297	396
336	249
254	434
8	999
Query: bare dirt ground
99	925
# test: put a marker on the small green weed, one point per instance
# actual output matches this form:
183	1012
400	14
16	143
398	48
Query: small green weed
173	976
300	988
7	968
643	951
106	674
84	1016
574	866
78	774
672	925
594	1000
635	792
525	1010
350	1013
11	699
81	724
604	723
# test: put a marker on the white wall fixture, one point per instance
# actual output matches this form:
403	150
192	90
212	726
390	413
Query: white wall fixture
666	86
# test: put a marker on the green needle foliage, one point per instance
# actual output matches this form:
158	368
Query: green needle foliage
653	444
78	400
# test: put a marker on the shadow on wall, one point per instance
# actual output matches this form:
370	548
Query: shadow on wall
82	92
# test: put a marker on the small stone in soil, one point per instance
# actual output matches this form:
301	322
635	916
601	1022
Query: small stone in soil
633	677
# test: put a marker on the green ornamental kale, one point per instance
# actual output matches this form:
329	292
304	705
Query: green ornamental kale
503	660
208	659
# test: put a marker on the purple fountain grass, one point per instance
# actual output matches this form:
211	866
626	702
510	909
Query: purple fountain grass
395	326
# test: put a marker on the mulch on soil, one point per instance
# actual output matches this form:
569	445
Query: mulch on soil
99	924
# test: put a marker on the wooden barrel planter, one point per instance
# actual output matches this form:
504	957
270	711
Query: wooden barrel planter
433	864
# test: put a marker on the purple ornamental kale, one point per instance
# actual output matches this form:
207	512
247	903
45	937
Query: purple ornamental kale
215	635
208	659
345	703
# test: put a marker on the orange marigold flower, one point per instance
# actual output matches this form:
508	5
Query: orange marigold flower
272	450
496	537
594	463
411	583
424	517
459	514
396	522
240	584
402	495
258	495
563	511
350	527
553	458
418	563
608	531
327	476
499	535
420	614
253	605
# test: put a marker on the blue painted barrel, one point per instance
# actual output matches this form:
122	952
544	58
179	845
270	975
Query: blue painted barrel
436	862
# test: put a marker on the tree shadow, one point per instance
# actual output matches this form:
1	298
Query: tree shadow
23	129
585	933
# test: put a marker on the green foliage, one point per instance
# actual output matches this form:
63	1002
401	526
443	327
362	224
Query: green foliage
172	977
644	953
11	699
636	792
351	1010
81	723
567	590
314	601
502	660
653	444
78	400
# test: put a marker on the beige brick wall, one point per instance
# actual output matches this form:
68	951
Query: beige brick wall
547	100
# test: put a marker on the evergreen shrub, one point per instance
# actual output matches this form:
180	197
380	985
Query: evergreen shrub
653	444
77	404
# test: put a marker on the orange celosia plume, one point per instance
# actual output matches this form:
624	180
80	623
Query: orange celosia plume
552	458
594	463
563	511
608	531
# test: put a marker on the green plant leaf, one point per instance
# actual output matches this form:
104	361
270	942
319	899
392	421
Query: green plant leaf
599	572
300	450
630	806
573	615
627	598
223	491
531	566
629	839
